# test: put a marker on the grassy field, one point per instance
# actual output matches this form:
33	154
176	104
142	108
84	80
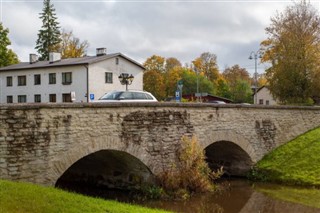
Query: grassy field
25	197
296	162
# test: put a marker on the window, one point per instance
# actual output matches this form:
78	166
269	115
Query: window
22	80
9	99
109	77
52	98
66	78
260	101
117	61
52	78
37	79
66	97
9	81
267	102
37	98
22	98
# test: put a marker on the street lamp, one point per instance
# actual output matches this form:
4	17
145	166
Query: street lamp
126	79
255	56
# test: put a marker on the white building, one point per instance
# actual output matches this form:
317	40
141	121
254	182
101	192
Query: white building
64	80
264	96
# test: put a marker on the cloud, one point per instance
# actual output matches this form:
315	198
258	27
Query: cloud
139	29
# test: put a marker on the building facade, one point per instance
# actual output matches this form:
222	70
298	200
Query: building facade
264	97
82	79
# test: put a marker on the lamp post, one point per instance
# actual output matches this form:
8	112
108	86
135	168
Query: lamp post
126	79
255	56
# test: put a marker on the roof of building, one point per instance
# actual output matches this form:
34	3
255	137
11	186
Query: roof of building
86	60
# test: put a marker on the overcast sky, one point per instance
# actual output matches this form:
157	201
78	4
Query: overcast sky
142	28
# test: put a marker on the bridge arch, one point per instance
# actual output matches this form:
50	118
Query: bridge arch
61	163
229	149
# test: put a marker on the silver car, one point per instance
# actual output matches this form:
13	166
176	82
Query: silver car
127	96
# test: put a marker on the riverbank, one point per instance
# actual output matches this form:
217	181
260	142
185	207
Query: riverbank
26	197
294	163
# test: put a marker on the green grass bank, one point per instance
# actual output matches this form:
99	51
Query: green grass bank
26	197
294	163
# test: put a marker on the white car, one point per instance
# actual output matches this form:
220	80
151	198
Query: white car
127	96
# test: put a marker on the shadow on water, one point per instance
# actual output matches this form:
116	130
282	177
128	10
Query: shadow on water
235	196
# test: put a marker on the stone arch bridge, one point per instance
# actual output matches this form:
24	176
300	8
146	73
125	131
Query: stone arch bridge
111	143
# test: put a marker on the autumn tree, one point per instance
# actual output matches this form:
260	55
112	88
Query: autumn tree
207	65
49	34
71	46
153	77
7	56
153	82
223	89
172	63
292	48
155	63
172	75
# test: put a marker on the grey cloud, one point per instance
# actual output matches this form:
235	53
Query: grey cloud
140	29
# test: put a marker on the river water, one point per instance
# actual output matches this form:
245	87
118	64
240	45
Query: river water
235	196
240	196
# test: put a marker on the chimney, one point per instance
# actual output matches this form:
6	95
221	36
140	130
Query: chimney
101	51
33	58
54	57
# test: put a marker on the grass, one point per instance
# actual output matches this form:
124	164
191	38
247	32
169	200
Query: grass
308	197
26	197
296	162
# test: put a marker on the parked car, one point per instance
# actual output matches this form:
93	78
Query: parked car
217	102
127	96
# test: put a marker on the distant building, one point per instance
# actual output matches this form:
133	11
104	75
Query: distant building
264	96
82	79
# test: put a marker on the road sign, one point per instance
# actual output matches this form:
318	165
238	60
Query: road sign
91	97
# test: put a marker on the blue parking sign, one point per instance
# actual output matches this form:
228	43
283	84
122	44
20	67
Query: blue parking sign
91	97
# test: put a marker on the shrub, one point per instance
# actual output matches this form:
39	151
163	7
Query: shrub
191	173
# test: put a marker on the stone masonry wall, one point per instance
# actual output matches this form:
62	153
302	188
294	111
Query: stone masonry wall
39	142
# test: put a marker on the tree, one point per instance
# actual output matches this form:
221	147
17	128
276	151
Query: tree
238	80
153	82
71	47
49	34
189	79
7	56
292	48
155	63
207	64
172	63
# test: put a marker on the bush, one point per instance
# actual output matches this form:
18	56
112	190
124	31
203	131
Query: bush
191	173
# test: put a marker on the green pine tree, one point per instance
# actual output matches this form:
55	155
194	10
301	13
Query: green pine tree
49	34
7	56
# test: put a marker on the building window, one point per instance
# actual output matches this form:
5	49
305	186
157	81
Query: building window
117	61
9	99
37	79
66	97
66	78
22	80
109	77
9	81
52	98
260	101
22	98
37	98
267	102
52	78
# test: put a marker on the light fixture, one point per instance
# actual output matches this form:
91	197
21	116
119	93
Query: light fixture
125	79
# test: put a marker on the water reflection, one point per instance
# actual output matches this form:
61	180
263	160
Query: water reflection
240	197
